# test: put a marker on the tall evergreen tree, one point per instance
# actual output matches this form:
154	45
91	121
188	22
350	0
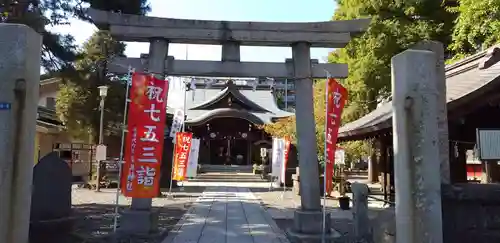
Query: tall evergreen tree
58	50
395	26
477	26
78	96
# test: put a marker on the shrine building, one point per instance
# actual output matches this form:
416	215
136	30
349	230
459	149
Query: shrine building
226	117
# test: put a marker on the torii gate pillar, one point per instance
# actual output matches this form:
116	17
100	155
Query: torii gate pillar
308	219
141	217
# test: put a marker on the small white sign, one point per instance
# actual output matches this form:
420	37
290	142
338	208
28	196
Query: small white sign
488	142
263	152
177	122
192	166
278	156
100	152
339	157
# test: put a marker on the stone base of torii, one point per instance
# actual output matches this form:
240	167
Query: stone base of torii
159	32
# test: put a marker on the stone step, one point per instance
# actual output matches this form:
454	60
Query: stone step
226	168
228	177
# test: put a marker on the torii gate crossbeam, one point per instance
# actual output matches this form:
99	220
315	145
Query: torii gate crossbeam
228	68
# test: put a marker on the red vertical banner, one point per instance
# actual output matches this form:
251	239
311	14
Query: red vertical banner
285	159
336	98
145	137
182	147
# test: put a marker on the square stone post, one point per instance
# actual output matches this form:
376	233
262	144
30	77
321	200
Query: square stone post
362	227
20	71
306	128
308	220
442	118
416	148
140	218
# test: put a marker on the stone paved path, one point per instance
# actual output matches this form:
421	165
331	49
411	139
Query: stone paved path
226	215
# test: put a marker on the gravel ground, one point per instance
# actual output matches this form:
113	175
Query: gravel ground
93	218
282	209
281	206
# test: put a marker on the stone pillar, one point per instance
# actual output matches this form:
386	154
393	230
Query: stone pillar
416	147
362	224
306	128
442	118
308	220
20	72
141	219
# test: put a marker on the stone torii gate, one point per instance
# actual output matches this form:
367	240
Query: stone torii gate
159	32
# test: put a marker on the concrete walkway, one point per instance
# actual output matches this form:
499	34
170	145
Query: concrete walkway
226	215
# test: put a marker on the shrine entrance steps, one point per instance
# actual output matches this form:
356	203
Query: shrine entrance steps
227	214
226	168
228	177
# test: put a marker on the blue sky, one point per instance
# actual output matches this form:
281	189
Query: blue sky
235	10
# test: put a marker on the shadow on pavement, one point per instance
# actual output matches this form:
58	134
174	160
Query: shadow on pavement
93	223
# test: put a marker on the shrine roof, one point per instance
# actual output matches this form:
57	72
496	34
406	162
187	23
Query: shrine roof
467	79
262	102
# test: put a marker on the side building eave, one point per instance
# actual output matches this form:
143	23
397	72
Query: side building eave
47	122
468	84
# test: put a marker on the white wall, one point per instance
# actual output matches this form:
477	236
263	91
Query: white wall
175	92
46	91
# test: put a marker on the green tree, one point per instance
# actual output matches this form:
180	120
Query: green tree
476	27
59	51
78	98
395	26
286	127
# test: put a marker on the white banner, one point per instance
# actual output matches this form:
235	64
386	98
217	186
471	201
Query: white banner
278	157
339	157
286	149
177	122
192	166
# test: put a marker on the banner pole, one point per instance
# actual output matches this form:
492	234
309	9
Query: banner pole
184	86
122	146
325	159
170	195
283	169
185	115
284	190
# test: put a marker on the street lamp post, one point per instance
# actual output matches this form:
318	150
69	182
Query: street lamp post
103	92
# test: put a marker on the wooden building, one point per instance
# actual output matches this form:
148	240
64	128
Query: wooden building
473	101
226	117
